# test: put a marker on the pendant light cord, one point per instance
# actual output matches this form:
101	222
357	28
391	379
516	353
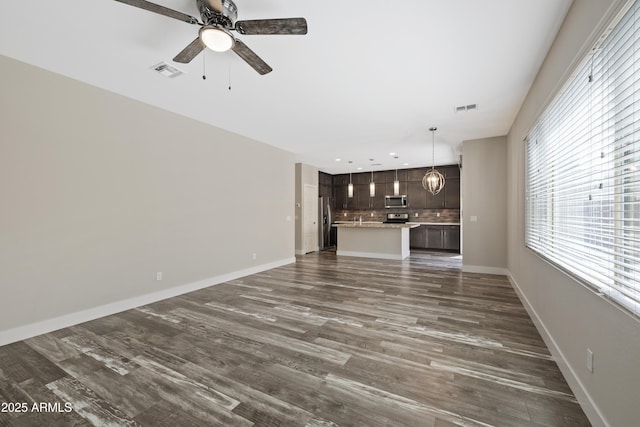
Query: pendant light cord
433	147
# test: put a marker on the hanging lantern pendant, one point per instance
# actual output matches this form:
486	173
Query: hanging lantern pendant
433	181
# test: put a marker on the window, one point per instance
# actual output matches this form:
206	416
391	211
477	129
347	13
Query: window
583	170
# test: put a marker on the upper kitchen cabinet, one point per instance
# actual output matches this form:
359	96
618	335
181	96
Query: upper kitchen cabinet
362	178
340	196
403	175
383	177
416	195
449	197
388	188
416	174
410	185
361	196
436	201
377	202
340	183
452	193
342	179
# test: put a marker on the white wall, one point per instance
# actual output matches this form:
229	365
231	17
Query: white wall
100	192
484	215
571	317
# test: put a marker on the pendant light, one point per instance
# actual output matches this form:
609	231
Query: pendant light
433	181
350	186
372	187
396	183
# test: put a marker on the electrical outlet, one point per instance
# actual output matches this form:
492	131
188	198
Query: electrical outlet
159	275
590	361
255	256
438	214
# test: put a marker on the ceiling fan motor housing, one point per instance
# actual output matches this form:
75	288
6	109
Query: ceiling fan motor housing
226	17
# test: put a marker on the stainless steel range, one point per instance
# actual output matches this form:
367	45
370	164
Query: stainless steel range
397	218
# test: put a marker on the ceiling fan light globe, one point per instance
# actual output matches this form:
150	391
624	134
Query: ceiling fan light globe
216	38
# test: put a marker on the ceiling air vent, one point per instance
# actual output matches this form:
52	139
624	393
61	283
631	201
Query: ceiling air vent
166	70
465	108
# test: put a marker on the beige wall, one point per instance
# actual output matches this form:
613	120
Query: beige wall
100	192
571	317
484	219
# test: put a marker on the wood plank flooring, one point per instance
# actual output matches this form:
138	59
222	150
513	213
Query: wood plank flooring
327	341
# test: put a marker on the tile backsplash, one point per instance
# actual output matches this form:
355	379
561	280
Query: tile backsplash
424	215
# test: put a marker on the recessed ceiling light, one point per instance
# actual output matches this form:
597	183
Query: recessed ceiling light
338	160
405	164
359	168
392	154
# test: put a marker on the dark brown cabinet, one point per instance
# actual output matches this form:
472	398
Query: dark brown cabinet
451	236
340	196
449	197
435	237
436	201
362	196
443	237
416	195
410	185
452	193
416	174
418	237
389	188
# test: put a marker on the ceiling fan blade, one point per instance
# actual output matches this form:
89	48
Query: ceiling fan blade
297	26
190	52
251	58
152	7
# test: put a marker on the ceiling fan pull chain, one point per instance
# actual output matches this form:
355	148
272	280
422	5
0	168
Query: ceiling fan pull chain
204	67
229	75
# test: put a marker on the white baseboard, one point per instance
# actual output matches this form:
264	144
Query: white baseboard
484	270
369	255
588	406
45	326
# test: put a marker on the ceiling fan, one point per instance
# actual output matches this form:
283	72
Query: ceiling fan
218	20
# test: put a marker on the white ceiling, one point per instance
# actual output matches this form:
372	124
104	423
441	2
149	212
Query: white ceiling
368	79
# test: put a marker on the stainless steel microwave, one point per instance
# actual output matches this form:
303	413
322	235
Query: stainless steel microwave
395	201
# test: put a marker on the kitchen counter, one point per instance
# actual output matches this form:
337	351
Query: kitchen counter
433	223
371	224
411	223
373	239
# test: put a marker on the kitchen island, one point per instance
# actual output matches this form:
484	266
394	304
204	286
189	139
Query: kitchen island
373	240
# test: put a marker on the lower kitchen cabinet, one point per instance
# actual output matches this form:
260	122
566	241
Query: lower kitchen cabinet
418	237
435	237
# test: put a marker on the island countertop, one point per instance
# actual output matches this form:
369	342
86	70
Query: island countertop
370	224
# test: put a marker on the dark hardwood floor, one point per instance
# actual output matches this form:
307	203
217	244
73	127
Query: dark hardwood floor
324	342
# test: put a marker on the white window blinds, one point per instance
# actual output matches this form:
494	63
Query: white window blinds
583	170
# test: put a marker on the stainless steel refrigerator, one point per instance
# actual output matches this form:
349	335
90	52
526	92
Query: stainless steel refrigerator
325	219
